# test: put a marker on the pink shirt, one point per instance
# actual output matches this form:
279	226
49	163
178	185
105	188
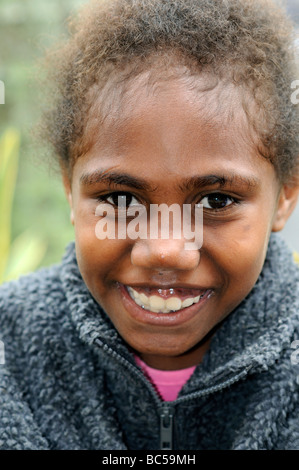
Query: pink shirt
167	382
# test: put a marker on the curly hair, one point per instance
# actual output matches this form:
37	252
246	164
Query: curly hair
248	43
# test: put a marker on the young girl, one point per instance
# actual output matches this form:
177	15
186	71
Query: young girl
134	341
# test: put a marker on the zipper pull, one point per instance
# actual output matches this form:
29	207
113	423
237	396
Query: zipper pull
166	427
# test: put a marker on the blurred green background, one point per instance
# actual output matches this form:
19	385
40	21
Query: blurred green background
27	28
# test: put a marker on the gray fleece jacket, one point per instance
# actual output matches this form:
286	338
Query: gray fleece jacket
70	382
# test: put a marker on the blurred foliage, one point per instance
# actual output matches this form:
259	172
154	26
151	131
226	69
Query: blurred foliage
26	252
27	28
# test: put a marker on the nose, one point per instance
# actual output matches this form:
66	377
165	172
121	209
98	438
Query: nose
164	254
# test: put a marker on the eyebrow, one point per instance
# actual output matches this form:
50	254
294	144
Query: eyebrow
222	181
113	178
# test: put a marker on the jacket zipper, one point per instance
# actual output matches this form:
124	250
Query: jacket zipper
166	409
166	413
132	368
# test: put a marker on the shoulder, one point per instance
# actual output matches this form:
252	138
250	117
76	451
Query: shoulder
33	309
36	281
29	311
38	291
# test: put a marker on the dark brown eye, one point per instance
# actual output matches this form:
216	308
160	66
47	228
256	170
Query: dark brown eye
122	200
216	201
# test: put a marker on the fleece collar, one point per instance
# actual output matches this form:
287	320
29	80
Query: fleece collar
250	339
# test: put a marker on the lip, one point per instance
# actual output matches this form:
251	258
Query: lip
143	285
173	319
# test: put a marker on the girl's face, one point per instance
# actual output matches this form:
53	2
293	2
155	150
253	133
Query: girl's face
178	146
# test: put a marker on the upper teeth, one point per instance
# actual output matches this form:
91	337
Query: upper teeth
157	304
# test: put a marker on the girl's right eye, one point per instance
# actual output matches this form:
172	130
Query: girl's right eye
120	200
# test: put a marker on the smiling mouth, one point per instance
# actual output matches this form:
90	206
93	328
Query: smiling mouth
165	300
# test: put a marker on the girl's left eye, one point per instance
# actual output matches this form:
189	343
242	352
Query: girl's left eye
217	201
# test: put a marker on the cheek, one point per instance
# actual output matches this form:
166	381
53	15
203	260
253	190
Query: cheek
98	260
238	250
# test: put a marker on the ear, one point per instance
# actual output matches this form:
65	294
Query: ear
68	191
287	201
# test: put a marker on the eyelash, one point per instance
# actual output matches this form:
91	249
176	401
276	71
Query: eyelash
105	197
235	201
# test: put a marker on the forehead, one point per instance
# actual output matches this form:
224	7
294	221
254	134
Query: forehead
170	123
117	105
